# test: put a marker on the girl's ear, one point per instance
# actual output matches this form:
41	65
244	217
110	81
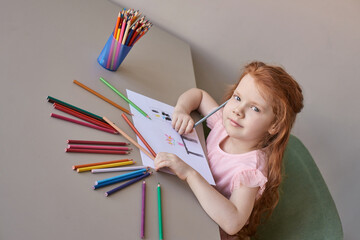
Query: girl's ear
273	130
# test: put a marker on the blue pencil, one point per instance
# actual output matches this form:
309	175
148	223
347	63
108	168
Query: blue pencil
133	173
216	109
100	185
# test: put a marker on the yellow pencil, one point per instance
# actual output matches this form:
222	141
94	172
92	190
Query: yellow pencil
84	169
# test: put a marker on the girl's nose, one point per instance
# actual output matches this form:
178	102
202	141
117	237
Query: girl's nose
238	111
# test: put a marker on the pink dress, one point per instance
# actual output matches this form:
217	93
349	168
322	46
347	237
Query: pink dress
231	171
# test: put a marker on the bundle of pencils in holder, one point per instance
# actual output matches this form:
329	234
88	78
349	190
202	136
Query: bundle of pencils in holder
129	28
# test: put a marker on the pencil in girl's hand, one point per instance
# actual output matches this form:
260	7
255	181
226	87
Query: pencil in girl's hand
215	110
102	97
123	97
119	169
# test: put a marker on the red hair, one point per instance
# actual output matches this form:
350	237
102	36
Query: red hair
285	96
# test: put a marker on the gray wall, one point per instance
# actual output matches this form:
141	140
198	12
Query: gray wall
316	41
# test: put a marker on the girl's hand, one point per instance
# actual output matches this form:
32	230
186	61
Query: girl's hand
176	165
182	122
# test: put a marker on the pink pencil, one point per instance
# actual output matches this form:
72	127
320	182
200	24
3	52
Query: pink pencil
74	146
95	151
83	123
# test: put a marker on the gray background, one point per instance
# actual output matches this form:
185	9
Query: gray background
316	41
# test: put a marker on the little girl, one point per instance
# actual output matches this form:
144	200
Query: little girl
245	146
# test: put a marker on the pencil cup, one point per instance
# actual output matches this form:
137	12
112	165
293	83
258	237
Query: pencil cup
113	54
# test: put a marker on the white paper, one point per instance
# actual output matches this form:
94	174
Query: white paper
161	137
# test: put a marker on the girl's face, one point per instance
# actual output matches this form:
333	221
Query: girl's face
247	117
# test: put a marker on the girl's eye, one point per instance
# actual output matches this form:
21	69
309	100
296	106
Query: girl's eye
237	98
255	109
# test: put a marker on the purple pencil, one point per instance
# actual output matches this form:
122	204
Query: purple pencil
142	232
126	184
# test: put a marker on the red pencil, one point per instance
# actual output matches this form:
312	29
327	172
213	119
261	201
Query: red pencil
81	116
73	146
83	123
138	134
99	163
95	151
97	142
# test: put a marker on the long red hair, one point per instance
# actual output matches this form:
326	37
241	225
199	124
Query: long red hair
286	98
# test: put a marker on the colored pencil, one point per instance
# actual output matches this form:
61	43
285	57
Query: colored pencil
81	116
75	146
139	134
122	176
97	142
117	25
85	169
159	212
129	138
83	123
102	97
112	191
99	163
77	150
117	180
214	111
123	97
119	169
52	100
143	197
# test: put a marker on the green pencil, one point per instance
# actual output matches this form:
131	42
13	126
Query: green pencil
125	98
160	212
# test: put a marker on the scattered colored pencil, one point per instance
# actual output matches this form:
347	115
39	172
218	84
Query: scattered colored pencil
104	184
129	138
53	100
122	176
143	197
81	116
85	169
159	212
99	163
83	123
215	110
139	134
77	150
74	146
97	142
123	97
102	97
119	169
112	191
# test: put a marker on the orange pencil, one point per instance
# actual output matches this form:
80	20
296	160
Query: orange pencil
129	138
99	163
102	97
117	25
138	134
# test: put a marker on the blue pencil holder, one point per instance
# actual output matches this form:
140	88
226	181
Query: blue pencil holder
113	54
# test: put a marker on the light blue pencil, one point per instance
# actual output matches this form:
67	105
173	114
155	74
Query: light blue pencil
204	118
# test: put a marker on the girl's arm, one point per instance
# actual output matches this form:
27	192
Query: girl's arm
193	99
230	214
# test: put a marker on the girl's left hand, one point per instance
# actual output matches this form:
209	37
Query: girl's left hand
178	166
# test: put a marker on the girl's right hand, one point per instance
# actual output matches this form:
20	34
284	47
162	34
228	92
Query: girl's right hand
182	122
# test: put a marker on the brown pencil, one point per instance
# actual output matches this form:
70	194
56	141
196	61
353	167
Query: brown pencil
102	97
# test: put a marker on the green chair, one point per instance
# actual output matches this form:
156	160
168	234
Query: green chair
306	209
